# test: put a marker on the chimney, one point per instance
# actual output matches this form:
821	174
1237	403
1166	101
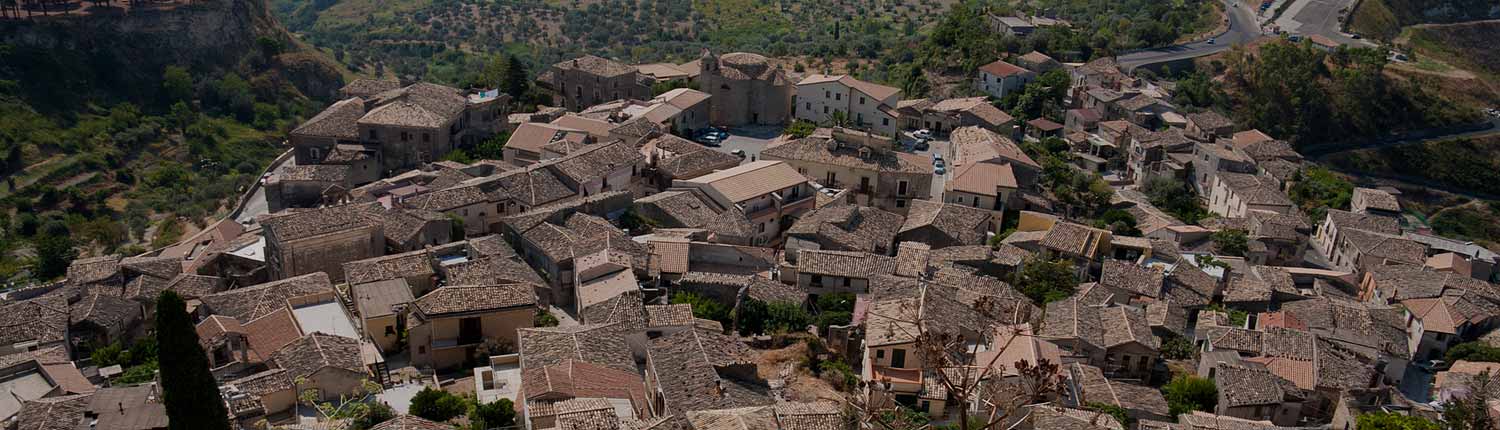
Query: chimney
575	63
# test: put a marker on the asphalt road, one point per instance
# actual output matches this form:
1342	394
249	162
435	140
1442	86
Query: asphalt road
1242	29
257	205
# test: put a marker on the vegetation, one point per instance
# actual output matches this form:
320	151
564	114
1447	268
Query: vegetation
1318	189
1393	421
1469	165
1082	192
757	317
188	390
138	361
136	148
1237	318
497	414
1042	98
1118	222
838	374
544	318
1188	393
1473	351
705	307
1119	413
1234	242
834	309
1046	281
1471	412
1297	92
1178	348
1477	222
437	405
799	129
1176	198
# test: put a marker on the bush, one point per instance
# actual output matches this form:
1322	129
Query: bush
1233	242
704	307
544	318
1178	348
1473	351
437	405
1394	421
1046	281
800	129
497	414
1190	393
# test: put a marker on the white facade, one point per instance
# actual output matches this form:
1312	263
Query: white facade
999	86
819	97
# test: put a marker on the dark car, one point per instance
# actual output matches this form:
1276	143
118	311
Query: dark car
921	145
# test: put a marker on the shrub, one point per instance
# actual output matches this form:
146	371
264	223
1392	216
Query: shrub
1190	393
437	405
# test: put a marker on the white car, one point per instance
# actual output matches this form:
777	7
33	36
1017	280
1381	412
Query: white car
922	134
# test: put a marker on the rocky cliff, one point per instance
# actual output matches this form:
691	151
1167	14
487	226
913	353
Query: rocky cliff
123	53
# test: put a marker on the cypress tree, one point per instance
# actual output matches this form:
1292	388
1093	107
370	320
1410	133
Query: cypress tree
187	387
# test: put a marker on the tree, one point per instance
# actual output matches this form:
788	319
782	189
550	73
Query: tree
1175	197
704	307
1394	421
1231	241
967	379
544	318
188	389
497	414
177	84
1178	348
53	255
516	82
1473	351
1046	281
1190	393
1471	411
492	148
437	405
1119	413
1317	189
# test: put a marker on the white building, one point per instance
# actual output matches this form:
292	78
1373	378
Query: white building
1000	78
865	105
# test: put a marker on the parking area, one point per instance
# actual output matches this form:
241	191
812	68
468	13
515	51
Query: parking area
750	139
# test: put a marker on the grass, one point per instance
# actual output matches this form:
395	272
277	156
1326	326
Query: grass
1461	164
1469	46
1374	19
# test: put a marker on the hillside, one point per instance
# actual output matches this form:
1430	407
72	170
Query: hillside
1467	45
443	40
1383	19
122	130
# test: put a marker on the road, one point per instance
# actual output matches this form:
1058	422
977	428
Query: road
257	205
1321	17
1242	29
1316	152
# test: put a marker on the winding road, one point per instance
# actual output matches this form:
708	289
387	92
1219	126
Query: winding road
1242	29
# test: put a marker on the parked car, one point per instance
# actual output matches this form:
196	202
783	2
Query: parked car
711	136
922	134
921	145
939	167
738	153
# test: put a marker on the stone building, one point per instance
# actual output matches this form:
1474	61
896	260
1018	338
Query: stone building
745	89
399	128
588	80
322	240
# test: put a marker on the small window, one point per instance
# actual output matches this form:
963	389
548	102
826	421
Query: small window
861	100
426	137
885	122
809	105
900	203
880	353
374	135
839	96
390	330
825	109
827	94
421	349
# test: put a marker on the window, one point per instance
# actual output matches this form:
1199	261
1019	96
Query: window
900	203
809	105
901	188
861	100
880	353
421	349
373	134
825	109
315	154
426	137
885	122
827	94
859	118
760	228
405	136
390	330
839	96
846	282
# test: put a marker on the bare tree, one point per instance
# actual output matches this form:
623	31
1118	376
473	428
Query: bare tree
986	396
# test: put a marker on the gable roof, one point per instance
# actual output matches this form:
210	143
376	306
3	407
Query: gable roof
984	179
750	180
250	303
602	344
965	225
338	121
1000	68
875	91
316	351
457	300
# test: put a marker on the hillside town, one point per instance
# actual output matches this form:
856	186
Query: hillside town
757	247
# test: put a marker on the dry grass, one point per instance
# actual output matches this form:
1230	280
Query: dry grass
802	385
